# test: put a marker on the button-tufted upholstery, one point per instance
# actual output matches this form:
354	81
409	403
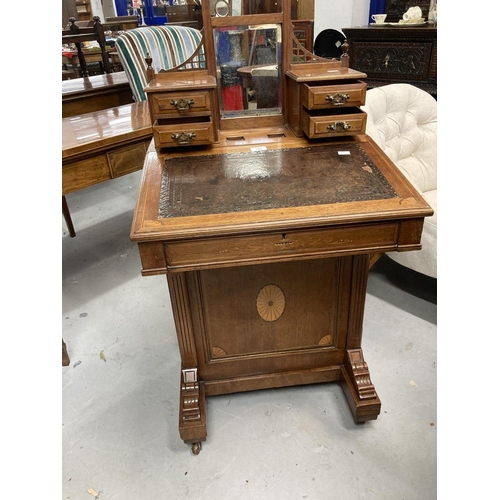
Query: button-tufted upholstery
168	46
402	120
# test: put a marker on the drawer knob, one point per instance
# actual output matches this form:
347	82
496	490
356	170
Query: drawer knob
339	126
182	104
183	138
337	99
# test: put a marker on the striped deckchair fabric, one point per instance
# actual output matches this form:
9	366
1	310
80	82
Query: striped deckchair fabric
169	47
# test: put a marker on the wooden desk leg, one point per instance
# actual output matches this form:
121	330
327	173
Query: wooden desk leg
355	375
358	388
65	357
192	414
67	217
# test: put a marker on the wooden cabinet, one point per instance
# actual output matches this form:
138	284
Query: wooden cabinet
389	54
182	107
322	106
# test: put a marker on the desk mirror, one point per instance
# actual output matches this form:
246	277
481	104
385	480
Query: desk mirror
249	69
223	8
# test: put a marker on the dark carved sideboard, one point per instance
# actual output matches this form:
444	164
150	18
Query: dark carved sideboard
389	54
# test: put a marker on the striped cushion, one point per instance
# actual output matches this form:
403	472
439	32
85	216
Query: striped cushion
168	46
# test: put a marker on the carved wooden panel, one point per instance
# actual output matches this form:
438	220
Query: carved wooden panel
404	61
395	55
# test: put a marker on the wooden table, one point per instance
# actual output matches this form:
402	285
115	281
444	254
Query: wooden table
103	145
93	93
266	243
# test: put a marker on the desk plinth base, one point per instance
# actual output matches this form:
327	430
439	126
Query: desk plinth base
267	326
360	394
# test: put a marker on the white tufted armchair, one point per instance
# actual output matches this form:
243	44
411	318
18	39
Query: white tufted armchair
402	120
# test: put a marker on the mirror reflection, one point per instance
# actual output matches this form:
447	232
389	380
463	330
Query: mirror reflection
245	7
249	69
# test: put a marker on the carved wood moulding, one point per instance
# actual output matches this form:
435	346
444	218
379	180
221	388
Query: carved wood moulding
407	59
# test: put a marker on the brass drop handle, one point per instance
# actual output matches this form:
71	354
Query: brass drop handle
183	138
182	104
339	126
337	99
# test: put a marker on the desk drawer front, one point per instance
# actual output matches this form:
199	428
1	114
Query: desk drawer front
181	103
333	125
280	246
183	134
333	96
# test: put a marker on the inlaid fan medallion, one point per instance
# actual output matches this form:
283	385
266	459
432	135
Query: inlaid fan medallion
270	303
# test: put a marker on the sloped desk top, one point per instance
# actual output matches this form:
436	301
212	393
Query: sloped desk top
279	186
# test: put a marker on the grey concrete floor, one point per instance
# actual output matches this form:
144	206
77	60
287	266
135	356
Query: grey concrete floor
120	393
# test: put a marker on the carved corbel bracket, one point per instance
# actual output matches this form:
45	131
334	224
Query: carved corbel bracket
190	395
360	375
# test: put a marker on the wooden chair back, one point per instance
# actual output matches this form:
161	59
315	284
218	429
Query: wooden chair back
79	34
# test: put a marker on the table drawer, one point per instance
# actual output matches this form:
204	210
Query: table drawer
169	133
280	246
333	96
181	103
328	124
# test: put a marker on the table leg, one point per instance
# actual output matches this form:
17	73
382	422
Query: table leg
67	217
65	357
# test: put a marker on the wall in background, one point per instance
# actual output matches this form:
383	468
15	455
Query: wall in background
338	14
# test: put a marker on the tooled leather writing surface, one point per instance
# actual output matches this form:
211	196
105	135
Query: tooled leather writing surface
269	179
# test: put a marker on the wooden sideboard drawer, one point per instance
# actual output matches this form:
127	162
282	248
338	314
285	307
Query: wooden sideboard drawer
389	54
333	96
333	124
279	246
393	63
173	133
180	103
127	159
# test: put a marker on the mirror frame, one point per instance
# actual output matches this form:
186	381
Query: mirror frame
282	18
224	4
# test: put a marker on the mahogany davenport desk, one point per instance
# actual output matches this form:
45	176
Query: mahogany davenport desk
266	251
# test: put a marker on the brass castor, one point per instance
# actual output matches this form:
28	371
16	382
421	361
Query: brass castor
196	448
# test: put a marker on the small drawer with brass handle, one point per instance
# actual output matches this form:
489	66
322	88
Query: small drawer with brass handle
180	103
170	135
333	96
324	124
